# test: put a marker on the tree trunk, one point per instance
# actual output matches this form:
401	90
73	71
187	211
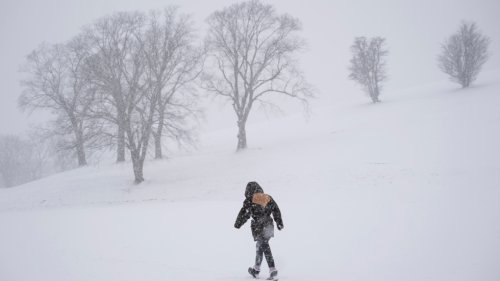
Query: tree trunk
158	152
80	148
80	152
375	93
242	136
157	136
137	165
466	82
120	153
139	149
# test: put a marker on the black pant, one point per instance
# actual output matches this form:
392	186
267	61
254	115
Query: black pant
264	249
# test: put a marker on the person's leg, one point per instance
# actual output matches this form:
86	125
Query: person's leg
259	255
269	255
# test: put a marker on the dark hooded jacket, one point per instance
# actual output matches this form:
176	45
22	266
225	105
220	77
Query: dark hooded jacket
260	207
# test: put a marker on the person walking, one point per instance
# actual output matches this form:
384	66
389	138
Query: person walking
260	207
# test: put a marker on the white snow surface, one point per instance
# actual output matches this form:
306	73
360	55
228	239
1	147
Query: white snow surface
408	189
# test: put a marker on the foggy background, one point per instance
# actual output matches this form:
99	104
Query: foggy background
414	31
407	189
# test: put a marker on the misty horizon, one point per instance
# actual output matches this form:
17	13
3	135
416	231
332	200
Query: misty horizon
414	33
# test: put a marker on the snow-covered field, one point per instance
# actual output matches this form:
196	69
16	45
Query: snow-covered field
408	189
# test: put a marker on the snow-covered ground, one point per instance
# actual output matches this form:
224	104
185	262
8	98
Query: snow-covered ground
408	189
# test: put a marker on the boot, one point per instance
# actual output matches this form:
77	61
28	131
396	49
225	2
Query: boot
253	272
273	275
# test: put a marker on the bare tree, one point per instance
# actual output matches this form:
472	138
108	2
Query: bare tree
12	152
57	83
109	39
172	65
251	49
368	64
49	147
119	65
464	53
20	162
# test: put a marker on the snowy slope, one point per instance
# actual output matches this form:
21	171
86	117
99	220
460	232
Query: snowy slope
408	189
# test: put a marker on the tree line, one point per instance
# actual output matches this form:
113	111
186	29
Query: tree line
462	56
131	80
120	82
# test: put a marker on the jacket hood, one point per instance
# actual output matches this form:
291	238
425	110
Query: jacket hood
252	188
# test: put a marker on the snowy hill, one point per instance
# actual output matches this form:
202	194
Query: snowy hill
408	189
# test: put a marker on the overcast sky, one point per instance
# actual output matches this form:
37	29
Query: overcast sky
413	29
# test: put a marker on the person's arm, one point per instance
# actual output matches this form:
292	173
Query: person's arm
243	215
277	215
